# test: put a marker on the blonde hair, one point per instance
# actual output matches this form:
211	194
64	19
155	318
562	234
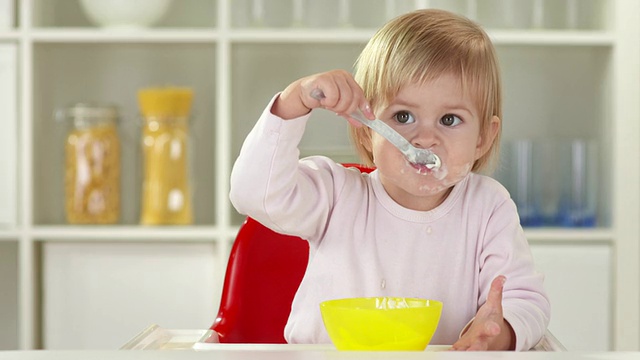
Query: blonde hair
420	46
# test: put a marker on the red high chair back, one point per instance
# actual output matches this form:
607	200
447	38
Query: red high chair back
263	274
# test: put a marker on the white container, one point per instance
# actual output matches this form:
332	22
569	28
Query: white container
6	15
125	14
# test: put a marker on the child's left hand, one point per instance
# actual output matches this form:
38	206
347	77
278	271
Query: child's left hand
489	330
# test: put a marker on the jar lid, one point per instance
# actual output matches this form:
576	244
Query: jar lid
88	114
92	111
165	102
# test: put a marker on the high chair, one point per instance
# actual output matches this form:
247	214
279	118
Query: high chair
264	271
263	274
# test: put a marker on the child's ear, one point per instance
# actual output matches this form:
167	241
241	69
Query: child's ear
485	140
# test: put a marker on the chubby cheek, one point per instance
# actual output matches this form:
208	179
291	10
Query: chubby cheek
385	155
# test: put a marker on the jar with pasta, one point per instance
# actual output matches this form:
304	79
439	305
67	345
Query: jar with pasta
92	171
166	189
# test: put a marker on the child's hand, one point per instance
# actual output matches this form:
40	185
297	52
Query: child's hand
342	95
489	330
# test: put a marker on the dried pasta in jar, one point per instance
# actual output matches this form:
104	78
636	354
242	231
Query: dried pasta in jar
166	190
92	171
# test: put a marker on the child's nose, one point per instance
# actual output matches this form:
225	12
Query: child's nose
425	138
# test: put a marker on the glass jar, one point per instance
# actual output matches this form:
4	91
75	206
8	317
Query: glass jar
92	171
166	189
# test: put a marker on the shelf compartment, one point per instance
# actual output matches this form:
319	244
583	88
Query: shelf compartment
533	78
86	284
543	15
68	73
305	14
9	295
181	14
370	14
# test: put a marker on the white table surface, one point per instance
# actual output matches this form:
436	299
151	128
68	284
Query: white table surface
301	354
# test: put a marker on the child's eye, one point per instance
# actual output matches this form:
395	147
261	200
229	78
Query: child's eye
404	117
450	120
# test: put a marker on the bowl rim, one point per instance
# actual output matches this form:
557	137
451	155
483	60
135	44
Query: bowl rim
337	303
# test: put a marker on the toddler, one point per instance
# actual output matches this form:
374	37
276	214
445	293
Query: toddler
446	233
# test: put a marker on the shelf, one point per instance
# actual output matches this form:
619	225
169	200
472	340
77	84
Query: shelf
573	235
549	37
83	35
291	35
298	35
130	233
9	235
361	36
9	35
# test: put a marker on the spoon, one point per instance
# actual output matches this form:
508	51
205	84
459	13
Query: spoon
415	155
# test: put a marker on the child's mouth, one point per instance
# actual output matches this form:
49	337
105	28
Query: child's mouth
422	168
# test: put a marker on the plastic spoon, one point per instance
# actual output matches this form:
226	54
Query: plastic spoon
413	154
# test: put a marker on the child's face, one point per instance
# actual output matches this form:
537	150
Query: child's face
438	116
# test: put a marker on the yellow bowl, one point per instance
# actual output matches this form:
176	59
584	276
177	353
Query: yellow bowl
381	323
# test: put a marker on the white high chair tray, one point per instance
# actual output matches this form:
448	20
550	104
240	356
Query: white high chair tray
157	338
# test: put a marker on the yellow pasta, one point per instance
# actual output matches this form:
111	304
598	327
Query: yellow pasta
166	191
92	175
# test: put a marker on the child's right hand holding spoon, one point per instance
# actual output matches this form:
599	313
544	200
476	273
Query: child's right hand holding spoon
342	95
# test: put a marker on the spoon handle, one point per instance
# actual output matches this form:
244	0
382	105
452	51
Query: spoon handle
414	155
386	131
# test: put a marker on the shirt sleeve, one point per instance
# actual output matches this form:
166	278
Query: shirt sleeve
272	185
506	252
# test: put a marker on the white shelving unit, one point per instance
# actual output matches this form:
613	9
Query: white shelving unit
97	286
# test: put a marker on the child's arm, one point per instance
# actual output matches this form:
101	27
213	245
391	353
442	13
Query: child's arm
269	182
512	313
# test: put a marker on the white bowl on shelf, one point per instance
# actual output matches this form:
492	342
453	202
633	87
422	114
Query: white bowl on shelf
125	14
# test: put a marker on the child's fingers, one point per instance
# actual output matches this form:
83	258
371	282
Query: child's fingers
317	91
360	101
336	91
495	293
